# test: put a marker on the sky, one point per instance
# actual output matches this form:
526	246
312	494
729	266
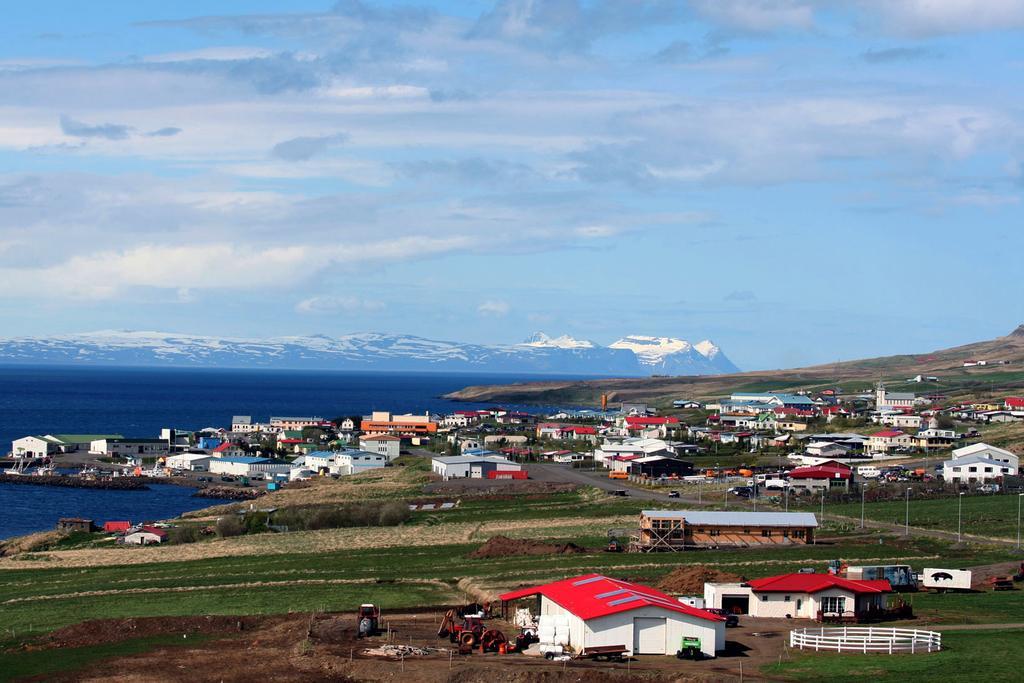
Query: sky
801	181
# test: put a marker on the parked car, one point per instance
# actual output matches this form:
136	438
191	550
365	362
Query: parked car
619	492
673	494
988	488
741	491
204	478
731	620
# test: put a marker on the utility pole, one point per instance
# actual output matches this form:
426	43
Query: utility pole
906	527
862	490
959	516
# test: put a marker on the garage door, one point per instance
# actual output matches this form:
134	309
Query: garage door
649	635
736	604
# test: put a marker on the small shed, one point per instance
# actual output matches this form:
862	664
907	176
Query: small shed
75	524
147	535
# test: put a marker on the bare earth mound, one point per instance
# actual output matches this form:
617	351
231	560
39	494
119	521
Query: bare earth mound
503	546
690	580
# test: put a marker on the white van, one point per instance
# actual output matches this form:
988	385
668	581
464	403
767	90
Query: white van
869	472
570	457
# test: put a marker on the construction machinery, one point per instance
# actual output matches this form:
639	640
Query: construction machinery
468	631
689	648
614	546
1001	583
368	621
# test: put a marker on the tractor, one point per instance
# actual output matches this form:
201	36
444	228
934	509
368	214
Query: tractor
689	648
468	632
368	621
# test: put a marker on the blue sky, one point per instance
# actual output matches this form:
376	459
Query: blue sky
801	181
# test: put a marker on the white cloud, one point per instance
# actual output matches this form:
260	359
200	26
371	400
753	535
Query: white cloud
758	15
935	17
494	308
337	304
216	54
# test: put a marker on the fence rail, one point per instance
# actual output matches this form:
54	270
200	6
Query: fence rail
866	639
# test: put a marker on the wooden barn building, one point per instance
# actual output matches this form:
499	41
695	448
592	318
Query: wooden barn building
694	529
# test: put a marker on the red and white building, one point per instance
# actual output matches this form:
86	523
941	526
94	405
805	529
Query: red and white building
823	597
601	611
824	477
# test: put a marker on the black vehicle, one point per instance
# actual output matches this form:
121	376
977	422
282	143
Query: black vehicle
673	494
619	492
742	491
731	620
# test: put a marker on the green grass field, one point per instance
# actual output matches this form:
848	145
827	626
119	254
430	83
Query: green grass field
966	656
984	515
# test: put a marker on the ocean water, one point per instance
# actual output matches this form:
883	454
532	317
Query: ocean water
25	508
138	402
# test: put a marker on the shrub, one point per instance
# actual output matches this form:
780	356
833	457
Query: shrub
229	526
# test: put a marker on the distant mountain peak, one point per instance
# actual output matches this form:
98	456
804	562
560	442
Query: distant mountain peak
542	340
632	356
1019	332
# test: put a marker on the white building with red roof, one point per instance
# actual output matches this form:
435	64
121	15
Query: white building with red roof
822	597
602	611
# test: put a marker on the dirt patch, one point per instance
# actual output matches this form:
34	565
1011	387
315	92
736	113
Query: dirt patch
99	631
503	546
690	580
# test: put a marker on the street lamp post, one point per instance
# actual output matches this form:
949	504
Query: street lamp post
1019	497
699	482
906	528
959	516
823	504
785	493
862	490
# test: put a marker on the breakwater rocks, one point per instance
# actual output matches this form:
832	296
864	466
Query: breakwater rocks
228	493
110	484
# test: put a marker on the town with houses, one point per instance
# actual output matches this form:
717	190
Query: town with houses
752	472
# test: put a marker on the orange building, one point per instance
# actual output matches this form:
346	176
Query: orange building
403	425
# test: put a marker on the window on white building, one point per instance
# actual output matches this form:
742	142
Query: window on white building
833	604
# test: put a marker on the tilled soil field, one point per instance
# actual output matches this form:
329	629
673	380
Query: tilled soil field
324	647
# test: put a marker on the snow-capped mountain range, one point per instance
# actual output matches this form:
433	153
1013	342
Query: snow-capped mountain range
633	356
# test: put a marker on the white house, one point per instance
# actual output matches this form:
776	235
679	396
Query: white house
354	462
247	467
194	462
243	424
800	596
127	447
974	468
602	611
474	466
35	446
991	453
384	444
631	446
900	420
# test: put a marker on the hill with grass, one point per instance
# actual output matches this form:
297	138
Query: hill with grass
1003	370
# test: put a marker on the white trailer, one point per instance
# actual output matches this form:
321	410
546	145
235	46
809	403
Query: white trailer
946	579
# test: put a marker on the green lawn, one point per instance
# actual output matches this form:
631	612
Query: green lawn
288	582
17	664
984	515
967	656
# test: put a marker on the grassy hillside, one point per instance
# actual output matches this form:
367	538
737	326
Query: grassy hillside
947	364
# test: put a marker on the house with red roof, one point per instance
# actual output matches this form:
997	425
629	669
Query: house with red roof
650	426
146	535
822	477
228	450
822	597
1014	403
594	611
890	440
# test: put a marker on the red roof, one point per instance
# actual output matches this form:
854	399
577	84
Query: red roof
110	527
821	472
888	433
581	430
592	596
813	583
1014	402
223	447
651	421
153	530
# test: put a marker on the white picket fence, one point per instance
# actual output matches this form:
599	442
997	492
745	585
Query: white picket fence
865	639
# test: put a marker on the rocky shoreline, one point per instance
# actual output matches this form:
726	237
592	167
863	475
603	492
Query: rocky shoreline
60	480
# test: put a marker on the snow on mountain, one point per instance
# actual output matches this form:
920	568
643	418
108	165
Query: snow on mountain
671	356
632	356
541	340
